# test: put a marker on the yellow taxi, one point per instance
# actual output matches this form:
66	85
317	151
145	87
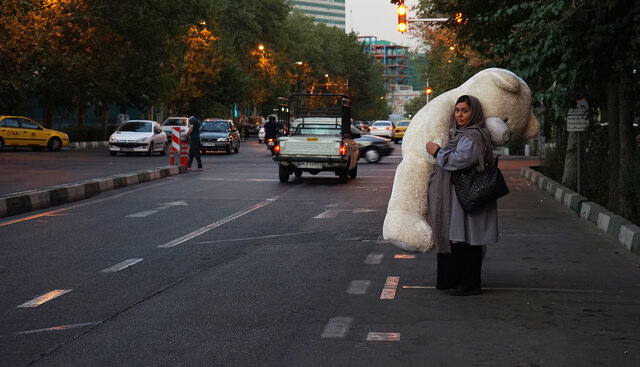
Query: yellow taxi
401	128
18	131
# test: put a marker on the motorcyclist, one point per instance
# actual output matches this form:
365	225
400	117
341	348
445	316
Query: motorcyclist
270	129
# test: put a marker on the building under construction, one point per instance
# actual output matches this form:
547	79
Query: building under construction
395	59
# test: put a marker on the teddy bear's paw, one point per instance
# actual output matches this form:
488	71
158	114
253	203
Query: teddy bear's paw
408	247
407	231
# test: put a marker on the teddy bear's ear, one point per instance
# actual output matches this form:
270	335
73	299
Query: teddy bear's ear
506	80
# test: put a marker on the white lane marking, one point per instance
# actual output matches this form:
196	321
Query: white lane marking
45	298
255	238
59	328
338	327
517	289
213	225
390	287
142	214
332	213
403	256
329	213
122	265
163	206
358	287
373	259
383	337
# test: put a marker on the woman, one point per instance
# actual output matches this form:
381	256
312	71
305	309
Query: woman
459	235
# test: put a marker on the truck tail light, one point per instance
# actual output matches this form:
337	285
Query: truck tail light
343	149
276	149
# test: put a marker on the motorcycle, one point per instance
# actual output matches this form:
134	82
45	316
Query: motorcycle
271	143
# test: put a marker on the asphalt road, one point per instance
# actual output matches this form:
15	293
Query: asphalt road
229	267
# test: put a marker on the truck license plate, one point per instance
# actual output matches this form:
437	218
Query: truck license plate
270	143
309	165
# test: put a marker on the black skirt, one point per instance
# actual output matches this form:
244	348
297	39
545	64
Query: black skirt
461	269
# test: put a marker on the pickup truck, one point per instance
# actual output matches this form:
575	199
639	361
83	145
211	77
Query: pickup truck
319	140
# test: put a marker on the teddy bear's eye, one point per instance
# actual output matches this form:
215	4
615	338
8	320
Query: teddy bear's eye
506	119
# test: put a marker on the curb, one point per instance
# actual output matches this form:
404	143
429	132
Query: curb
627	233
23	202
87	144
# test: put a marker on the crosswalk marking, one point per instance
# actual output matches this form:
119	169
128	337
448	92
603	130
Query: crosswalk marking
359	287
385	337
390	286
373	259
338	327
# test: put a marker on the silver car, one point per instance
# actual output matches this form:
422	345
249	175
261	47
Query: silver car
382	128
219	134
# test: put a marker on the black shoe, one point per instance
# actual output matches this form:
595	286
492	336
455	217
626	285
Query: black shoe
465	291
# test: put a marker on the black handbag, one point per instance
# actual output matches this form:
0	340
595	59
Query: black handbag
476	188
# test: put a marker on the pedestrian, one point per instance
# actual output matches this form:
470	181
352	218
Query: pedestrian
460	237
193	134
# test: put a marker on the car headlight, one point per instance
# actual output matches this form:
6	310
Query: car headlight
113	138
142	140
223	139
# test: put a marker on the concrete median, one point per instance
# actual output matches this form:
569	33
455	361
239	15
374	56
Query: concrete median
27	201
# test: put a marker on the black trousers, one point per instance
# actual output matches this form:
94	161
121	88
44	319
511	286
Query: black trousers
194	151
461	269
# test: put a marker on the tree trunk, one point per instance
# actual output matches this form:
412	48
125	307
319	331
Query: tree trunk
570	174
626	199
614	143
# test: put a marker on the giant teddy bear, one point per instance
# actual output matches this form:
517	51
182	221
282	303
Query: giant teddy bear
506	103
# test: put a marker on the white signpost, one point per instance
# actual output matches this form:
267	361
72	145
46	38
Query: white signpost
577	122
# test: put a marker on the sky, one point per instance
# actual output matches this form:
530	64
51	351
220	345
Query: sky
378	18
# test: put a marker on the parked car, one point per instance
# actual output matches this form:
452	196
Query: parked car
373	148
171	122
219	134
383	128
400	129
138	136
19	131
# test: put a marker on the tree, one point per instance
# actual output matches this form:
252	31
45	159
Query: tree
538	41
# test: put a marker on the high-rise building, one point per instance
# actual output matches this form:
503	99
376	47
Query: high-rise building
329	12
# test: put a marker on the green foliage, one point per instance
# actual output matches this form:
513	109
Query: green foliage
197	55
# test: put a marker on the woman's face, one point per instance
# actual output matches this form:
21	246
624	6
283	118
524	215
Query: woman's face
462	114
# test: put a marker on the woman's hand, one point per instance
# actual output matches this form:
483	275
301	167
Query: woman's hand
432	147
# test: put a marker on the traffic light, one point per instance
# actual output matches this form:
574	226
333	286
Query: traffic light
429	90
458	18
402	18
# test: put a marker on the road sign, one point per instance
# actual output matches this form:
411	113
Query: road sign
577	119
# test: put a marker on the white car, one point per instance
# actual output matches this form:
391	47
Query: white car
171	122
382	128
138	136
